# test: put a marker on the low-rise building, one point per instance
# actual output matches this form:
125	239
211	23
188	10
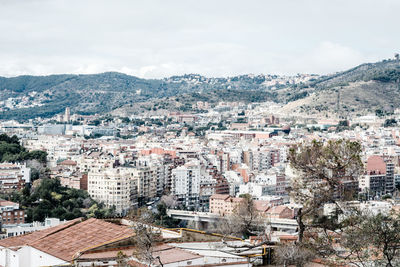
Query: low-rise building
13	176
11	213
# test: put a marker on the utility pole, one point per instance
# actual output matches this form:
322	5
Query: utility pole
338	102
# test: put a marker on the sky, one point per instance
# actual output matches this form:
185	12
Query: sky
215	38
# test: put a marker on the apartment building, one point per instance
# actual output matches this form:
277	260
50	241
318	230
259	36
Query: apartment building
57	147
11	213
95	161
13	176
379	177
224	205
186	183
146	179
115	187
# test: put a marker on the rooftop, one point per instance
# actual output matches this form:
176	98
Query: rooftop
68	239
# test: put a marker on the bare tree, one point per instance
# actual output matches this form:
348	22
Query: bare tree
349	235
38	169
146	238
322	168
245	221
292	254
170	201
373	238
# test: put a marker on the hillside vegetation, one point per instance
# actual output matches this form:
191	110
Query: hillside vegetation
358	90
99	93
12	151
50	199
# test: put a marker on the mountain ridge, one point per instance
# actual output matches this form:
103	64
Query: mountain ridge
27	96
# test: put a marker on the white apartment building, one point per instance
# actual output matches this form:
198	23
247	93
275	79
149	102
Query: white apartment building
261	160
186	183
95	161
155	170
114	187
57	147
146	177
12	175
257	190
21	229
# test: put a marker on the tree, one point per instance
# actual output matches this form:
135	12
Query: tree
370	237
348	235
122	259
322	167
11	140
343	123
125	120
379	113
161	217
12	151
390	123
96	122
38	169
146	237
292	254
170	201
49	198
245	220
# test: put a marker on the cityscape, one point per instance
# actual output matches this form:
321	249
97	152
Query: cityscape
110	166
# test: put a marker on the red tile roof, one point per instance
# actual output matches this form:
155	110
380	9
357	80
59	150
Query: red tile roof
105	254
68	239
277	209
169	254
68	162
219	196
262	205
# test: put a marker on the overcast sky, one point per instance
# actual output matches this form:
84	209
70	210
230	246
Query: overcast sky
152	39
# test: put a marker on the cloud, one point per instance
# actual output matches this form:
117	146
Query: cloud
327	57
330	56
157	38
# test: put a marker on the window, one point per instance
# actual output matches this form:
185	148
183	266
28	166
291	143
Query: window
189	262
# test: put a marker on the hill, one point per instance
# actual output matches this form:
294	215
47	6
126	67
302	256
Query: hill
26	97
33	96
358	91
